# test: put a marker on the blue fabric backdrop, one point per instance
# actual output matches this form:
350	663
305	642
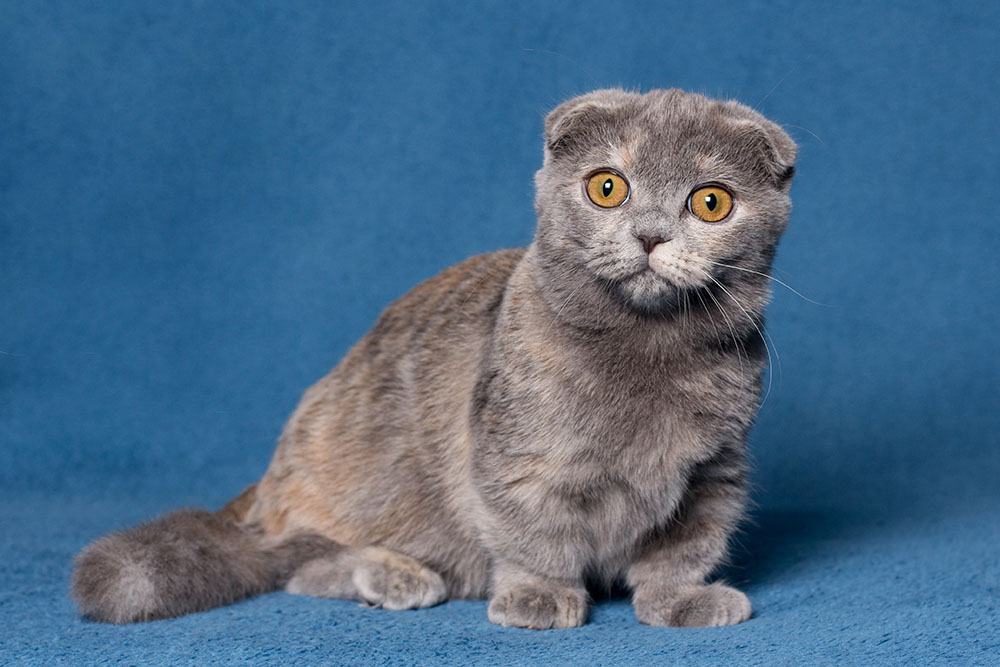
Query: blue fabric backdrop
203	204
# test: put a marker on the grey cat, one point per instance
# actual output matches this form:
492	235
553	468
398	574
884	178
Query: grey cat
532	421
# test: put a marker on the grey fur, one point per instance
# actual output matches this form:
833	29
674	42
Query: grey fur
377	576
529	421
183	562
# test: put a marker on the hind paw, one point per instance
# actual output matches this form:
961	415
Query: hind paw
374	575
391	580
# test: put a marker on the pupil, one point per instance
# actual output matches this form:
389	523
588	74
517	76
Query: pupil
607	187
711	201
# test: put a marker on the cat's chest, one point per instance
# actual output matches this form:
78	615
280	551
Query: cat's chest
608	437
639	417
600	436
597	455
645	430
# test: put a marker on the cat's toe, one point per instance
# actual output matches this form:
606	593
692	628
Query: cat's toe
701	606
539	607
395	581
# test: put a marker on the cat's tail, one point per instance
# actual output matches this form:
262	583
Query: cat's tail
186	561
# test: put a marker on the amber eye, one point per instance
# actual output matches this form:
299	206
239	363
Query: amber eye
711	203
607	189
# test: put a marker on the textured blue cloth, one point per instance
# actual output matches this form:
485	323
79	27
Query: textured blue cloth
203	204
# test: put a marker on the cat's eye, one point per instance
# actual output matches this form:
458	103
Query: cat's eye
607	189
711	203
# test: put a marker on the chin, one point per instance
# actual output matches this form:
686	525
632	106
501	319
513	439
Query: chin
649	294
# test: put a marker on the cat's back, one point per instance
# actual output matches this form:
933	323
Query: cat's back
386	431
442	315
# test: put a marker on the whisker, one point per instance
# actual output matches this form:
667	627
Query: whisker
805	129
687	308
767	348
715	327
617	266
757	106
603	262
486	275
599	252
780	282
732	330
537	288
562	307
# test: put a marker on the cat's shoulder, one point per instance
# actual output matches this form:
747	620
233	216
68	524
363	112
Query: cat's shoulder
465	290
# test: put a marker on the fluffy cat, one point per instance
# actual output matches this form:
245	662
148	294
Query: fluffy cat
531	421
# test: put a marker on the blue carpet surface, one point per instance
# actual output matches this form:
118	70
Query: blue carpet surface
203	204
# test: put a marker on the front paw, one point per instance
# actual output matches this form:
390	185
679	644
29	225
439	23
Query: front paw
700	606
539	606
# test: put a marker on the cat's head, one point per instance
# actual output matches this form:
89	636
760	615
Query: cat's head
647	196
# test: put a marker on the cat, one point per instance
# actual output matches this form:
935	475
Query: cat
529	422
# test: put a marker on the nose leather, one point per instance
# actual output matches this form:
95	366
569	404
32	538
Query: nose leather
650	241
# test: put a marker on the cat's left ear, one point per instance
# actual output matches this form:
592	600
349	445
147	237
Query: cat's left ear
770	143
782	150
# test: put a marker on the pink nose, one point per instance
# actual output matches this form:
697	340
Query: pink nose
650	242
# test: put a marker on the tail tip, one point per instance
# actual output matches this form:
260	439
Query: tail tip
110	586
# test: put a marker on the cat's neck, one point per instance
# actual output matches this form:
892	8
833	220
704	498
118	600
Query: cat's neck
569	304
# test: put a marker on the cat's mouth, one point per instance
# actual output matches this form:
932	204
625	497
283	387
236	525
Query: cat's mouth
652	275
647	292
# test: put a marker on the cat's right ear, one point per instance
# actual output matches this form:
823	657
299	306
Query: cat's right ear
577	122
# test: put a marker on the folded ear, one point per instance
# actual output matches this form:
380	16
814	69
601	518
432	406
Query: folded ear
577	121
782	151
768	141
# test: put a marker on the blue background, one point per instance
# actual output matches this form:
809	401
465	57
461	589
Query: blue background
204	204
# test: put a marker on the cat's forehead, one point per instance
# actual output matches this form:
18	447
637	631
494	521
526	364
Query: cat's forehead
671	136
680	136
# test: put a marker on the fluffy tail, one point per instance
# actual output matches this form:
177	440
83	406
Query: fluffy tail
183	562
